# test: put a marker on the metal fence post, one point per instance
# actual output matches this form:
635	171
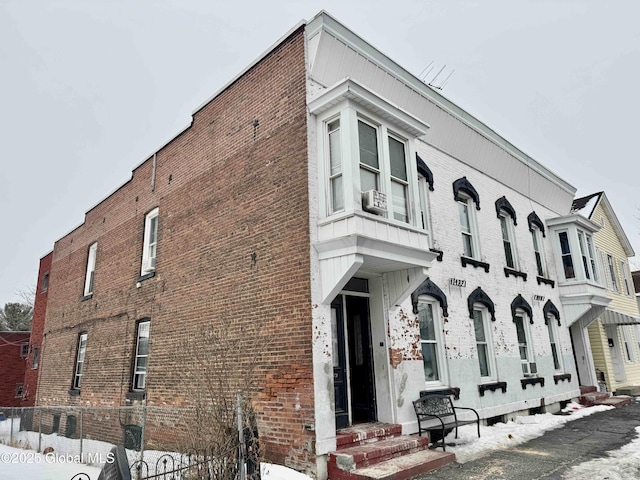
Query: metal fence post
40	430
11	426
241	472
81	432
144	424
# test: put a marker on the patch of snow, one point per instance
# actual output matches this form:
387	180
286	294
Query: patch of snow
502	436
621	464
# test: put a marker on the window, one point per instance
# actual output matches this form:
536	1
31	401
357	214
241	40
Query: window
612	273
336	185
567	261
484	344
538	248
45	282
588	259
423	191
524	345
19	390
508	240
77	375
431	341
552	329
24	350
150	242
142	356
36	357
626	277
399	180
369	159
470	246
373	164
91	268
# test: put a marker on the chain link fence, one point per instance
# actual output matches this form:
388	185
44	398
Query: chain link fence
155	442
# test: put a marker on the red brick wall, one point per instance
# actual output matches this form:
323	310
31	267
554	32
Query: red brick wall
233	254
12	366
37	331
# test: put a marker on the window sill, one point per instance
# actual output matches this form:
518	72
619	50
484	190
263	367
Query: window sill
476	263
87	297
146	276
137	395
510	271
531	381
493	387
455	391
562	377
546	281
74	392
439	252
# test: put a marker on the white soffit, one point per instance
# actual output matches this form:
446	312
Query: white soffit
348	89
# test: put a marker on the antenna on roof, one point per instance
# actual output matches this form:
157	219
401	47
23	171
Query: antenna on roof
432	83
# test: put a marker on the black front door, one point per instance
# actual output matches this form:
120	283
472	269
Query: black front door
361	378
353	377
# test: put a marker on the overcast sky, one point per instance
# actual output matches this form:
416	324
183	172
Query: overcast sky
89	89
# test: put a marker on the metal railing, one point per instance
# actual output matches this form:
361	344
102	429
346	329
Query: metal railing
157	442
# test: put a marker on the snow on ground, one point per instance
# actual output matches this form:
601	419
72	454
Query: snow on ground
622	464
506	435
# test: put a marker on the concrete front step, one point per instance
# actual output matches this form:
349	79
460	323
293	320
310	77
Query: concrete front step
587	389
359	456
633	390
400	468
617	401
591	399
367	433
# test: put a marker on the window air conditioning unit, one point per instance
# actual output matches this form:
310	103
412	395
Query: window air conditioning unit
374	201
529	369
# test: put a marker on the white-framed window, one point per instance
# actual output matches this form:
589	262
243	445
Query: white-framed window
484	344
24	350
77	374
45	282
552	328
611	271
425	213
592	258
91	269
336	180
468	228
627	343
508	240
565	252
369	156
142	356
525	346
538	249
586	253
431	340
626	278
399	178
36	358
383	167
150	242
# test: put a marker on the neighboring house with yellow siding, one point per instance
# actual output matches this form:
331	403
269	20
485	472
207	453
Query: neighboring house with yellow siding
615	335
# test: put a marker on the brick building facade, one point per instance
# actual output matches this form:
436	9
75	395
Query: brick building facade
352	233
37	331
232	253
14	348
